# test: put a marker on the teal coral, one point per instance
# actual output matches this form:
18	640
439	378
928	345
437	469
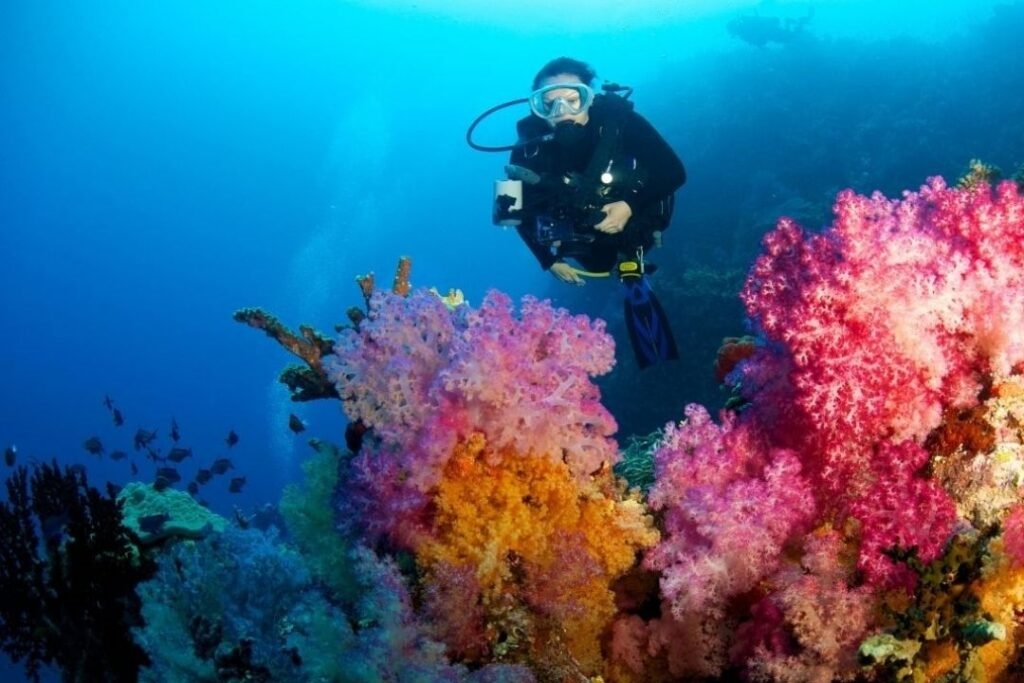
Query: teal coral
309	516
637	463
185	518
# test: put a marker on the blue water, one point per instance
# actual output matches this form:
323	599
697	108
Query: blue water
163	164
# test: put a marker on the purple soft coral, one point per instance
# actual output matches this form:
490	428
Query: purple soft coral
423	377
729	506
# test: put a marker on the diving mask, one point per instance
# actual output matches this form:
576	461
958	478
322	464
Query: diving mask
561	99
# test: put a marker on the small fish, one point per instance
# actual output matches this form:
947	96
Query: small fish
143	438
168	473
193	488
221	465
108	402
231	439
236	485
118	417
78	468
93	445
152	524
161	484
178	454
118	455
175	434
296	424
203	476
135	469
10	455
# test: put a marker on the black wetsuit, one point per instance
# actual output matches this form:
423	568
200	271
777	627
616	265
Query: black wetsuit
646	173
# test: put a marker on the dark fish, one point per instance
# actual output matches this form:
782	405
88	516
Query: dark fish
108	402
78	468
221	465
193	488
231	439
175	435
93	445
161	484
152	524
118	455
236	484
203	475
118	418
143	438
295	424
178	454
135	469
168	473
10	455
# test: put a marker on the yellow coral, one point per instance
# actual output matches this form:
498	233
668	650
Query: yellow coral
1001	593
534	533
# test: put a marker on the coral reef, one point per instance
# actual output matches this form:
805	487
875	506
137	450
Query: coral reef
856	516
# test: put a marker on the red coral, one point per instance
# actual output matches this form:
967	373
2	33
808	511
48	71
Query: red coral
901	509
897	312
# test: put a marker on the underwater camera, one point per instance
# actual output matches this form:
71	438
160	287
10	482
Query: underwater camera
569	225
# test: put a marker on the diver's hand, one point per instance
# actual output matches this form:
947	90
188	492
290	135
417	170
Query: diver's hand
566	273
616	215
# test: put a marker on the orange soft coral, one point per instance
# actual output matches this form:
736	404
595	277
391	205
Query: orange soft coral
1001	593
546	549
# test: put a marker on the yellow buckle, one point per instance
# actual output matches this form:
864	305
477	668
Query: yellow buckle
629	269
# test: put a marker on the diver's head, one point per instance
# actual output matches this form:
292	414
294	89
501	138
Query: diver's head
562	92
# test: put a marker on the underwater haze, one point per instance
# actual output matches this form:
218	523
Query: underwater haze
165	164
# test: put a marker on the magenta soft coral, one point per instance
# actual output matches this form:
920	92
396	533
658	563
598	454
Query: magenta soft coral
901	509
896	312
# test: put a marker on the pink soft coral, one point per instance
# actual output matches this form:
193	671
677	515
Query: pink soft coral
1013	535
729	505
422	377
893	314
901	509
808	629
524	381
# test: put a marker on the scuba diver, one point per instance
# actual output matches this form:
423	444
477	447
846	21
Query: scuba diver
591	181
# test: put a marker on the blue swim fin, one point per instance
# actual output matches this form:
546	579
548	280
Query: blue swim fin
649	331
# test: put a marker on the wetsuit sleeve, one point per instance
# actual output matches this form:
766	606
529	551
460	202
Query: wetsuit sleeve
665	171
529	215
